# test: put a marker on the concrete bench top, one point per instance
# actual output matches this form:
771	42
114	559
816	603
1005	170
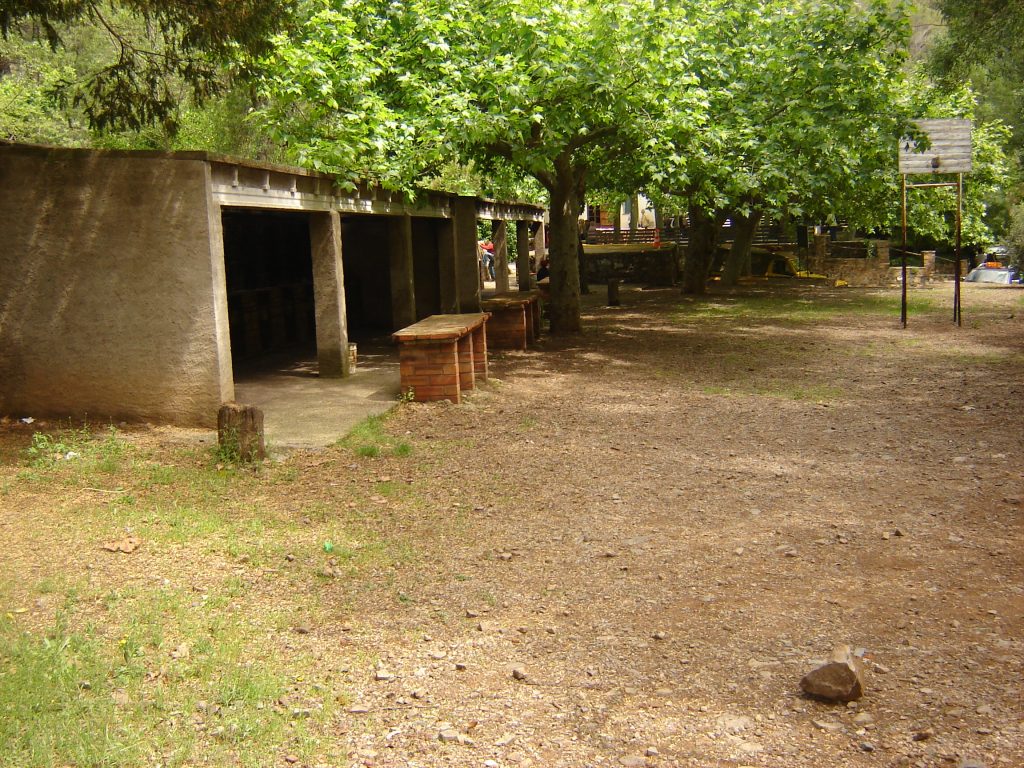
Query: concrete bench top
504	301
441	327
521	295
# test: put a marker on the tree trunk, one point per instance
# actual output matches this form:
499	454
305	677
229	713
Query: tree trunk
700	251
564	257
744	228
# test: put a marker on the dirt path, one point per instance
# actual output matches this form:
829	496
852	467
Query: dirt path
629	549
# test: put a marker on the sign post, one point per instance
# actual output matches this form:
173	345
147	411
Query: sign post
947	148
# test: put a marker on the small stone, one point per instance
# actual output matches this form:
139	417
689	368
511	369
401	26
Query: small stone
985	710
841	679
609	553
659	635
460	666
970	762
505	556
751	747
382	675
739	551
471	614
419	693
449	736
291	758
437	655
735	723
505	740
867	746
633	761
302	629
652	752
827	725
358	709
863	718
519	672
85	685
924	734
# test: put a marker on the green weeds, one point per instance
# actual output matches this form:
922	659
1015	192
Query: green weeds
167	679
368	439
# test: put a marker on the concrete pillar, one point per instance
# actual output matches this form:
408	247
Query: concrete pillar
523	255
446	267
540	246
929	263
329	294
225	365
467	278
403	291
499	236
882	253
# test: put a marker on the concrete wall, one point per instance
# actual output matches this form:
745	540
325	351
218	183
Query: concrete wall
112	300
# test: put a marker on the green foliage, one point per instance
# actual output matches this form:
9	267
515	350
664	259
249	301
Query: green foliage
30	111
982	44
154	52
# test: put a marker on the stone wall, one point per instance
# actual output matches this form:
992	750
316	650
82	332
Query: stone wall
648	266
112	291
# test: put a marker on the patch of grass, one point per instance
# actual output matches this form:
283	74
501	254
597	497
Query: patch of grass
77	450
790	309
368	439
166	680
814	392
716	389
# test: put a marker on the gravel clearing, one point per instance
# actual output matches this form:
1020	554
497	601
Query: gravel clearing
631	545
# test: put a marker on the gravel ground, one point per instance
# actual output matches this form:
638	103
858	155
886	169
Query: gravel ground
631	545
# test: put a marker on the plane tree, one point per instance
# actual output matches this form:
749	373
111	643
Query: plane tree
803	114
561	92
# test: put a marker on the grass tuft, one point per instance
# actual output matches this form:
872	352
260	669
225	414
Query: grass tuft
369	439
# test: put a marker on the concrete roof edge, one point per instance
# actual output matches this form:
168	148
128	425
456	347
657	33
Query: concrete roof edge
212	157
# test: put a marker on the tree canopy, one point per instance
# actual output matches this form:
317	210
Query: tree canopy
155	46
739	108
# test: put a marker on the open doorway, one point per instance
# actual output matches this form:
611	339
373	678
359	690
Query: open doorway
364	251
269	276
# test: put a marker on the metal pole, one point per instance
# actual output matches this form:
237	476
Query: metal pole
903	257
957	314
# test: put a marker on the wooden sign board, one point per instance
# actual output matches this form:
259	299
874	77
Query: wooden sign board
950	150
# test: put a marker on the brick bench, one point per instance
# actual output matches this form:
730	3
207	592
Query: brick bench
530	300
442	356
510	322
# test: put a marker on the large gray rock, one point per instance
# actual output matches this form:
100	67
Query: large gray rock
841	679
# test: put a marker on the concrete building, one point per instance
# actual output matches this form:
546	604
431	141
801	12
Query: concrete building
132	284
